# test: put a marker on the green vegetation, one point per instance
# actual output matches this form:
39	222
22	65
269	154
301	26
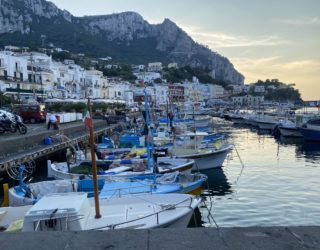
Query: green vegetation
61	56
283	94
5	100
76	39
277	91
122	71
186	73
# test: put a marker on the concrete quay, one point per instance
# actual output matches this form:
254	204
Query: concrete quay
247	238
19	148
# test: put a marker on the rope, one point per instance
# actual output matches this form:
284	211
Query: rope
242	165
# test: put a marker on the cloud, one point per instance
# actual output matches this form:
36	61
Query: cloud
270	67
222	40
305	21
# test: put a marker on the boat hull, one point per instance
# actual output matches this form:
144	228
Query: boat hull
266	125
238	120
201	123
310	134
290	132
210	160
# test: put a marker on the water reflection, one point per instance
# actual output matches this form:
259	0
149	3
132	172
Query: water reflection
278	186
290	140
218	184
309	151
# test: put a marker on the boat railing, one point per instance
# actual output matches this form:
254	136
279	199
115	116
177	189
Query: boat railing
164	208
51	218
118	192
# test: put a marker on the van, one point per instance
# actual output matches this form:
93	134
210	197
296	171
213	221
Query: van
31	113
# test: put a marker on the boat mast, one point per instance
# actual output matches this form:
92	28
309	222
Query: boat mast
147	125
94	164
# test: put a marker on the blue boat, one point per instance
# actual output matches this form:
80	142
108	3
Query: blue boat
311	130
160	184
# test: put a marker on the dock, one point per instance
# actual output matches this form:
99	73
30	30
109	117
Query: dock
247	238
16	148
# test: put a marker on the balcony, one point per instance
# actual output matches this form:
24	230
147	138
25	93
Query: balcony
16	90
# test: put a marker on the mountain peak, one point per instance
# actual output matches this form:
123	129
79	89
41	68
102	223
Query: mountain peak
167	21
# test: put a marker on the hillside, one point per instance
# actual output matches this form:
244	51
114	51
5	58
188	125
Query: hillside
126	37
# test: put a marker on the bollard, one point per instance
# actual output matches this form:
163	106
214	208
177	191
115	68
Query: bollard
5	202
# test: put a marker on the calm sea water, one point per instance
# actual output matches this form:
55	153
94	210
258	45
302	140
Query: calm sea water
279	184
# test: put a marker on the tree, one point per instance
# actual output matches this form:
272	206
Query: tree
4	100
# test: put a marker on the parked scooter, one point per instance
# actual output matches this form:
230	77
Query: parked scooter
11	123
20	125
6	124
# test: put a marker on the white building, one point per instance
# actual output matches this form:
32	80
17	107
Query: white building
172	65
12	67
120	91
39	69
93	83
141	67
259	89
237	89
155	66
253	101
147	76
216	91
12	48
161	94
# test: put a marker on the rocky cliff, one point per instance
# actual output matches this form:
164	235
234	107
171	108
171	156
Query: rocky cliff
124	36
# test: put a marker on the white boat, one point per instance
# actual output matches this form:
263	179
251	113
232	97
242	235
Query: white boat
202	121
75	212
123	168
266	122
288	128
205	157
237	118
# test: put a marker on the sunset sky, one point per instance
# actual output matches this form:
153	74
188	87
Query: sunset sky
263	39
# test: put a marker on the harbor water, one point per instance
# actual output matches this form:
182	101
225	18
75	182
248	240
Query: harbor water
277	185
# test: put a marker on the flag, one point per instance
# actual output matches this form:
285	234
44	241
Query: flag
86	117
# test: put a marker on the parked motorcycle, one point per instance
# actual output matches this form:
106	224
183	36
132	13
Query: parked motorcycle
6	124
20	125
11	123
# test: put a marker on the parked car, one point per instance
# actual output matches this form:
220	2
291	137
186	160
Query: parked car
31	113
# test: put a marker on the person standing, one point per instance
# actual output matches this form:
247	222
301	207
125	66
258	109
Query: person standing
69	157
170	115
52	121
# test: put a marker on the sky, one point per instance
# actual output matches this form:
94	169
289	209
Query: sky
264	39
